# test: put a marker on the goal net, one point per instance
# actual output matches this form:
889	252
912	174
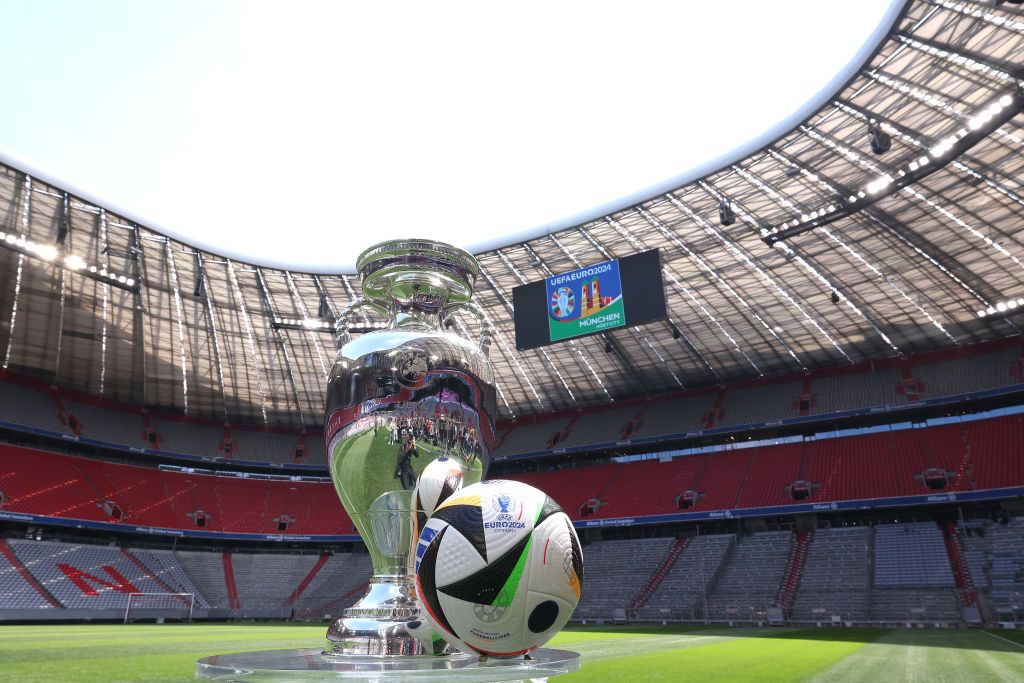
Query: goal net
159	606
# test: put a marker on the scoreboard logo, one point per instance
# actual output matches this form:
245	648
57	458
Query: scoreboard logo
585	301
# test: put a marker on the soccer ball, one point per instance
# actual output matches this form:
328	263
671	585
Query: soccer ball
498	569
436	483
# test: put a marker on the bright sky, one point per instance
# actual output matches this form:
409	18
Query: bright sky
298	134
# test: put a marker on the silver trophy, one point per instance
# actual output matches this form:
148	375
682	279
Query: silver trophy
398	397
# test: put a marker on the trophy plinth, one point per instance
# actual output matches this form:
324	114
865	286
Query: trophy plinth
398	398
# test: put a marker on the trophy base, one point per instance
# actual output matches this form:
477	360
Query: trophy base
384	623
311	664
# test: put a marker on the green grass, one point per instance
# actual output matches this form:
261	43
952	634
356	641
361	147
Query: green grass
144	652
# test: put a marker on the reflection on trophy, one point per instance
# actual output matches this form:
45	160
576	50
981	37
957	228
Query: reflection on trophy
398	398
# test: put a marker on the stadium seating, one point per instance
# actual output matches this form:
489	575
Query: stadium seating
600	427
995	558
166	566
86	576
337	585
531	437
835	576
750	582
23	405
15	590
42	483
615	572
911	554
676	416
680	595
889	383
849	391
105	424
974	455
759	404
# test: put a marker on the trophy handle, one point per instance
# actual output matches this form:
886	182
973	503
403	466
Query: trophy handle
344	320
474	310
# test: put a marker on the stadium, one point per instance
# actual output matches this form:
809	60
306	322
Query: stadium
808	466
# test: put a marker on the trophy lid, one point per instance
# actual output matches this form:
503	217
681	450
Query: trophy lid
408	269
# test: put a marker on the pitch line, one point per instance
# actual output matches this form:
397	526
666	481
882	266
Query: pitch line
1005	640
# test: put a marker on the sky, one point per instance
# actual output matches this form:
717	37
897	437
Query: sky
298	134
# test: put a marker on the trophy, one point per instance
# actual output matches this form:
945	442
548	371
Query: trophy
412	388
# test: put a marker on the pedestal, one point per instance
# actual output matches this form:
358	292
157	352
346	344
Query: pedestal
313	665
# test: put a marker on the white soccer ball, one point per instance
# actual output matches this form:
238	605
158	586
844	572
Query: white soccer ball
436	483
499	568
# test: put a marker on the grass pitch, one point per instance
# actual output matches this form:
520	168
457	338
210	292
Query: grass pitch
144	652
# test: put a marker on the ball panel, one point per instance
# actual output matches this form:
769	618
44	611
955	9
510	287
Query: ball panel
483	586
554	565
426	585
456	559
467	518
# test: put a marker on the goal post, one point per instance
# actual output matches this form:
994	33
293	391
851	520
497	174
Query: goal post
159	606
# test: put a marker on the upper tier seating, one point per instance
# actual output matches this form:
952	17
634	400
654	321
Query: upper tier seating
862	386
25	406
968	374
187	437
265	446
759	404
531	437
51	484
676	416
599	427
105	424
835	393
835	576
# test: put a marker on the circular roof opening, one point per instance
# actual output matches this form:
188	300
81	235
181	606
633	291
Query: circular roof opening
297	138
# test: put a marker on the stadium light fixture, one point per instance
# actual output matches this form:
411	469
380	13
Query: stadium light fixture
725	213
880	141
52	254
1001	307
979	126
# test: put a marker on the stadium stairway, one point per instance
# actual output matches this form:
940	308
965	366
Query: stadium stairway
958	563
794	571
662	570
229	582
145	570
304	584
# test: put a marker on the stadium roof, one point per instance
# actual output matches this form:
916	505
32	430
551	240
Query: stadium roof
837	254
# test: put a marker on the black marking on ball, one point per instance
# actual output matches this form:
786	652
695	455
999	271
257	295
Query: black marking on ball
428	582
543	616
484	587
469	520
549	508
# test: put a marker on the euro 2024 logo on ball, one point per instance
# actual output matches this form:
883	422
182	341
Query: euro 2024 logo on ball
510	512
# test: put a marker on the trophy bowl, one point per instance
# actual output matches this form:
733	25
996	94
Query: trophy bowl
398	397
